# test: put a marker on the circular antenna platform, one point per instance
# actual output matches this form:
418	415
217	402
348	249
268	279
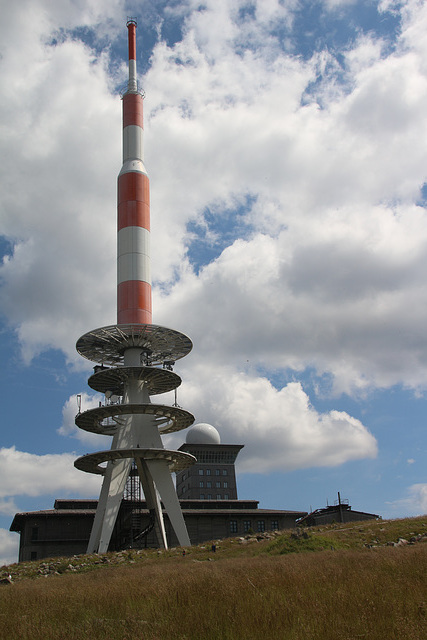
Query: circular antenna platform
108	344
167	419
91	462
113	380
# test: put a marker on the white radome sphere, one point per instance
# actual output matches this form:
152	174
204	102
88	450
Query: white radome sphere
203	433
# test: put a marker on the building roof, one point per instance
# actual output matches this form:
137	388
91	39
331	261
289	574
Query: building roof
18	521
237	512
212	453
213	508
333	509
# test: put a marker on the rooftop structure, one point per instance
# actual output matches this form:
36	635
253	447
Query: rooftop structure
340	512
213	476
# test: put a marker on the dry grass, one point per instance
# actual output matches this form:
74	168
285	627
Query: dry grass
241	592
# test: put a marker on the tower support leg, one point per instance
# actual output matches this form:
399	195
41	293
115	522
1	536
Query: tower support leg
161	475
95	534
111	495
153	500
119	476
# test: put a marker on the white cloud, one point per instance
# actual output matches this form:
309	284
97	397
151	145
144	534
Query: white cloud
58	182
343	305
69	428
414	24
415	502
281	431
9	547
334	4
39	475
337	268
7	507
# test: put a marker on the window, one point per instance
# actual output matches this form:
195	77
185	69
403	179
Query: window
247	526
209	457
201	484
209	485
274	525
224	472
33	555
218	496
218	485
261	525
200	472
202	496
233	526
225	485
217	472
209	496
34	533
208	472
225	496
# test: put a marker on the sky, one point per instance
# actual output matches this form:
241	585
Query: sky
286	144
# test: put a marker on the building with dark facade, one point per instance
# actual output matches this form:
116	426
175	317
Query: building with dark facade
207	493
213	477
340	512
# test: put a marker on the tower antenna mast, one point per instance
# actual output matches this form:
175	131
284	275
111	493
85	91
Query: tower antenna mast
135	356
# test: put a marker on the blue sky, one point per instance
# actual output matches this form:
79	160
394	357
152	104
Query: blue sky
285	144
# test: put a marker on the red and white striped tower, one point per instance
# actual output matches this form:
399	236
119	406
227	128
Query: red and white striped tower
133	207
136	359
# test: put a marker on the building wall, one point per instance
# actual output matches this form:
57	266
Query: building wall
213	477
204	528
50	536
53	535
331	516
215	525
201	481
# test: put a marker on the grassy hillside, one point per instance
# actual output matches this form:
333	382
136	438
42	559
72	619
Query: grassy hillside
364	580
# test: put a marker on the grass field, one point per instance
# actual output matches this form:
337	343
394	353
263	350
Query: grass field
326	584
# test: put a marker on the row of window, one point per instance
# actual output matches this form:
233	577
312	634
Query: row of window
207	472
209	485
218	472
247	526
218	496
217	457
